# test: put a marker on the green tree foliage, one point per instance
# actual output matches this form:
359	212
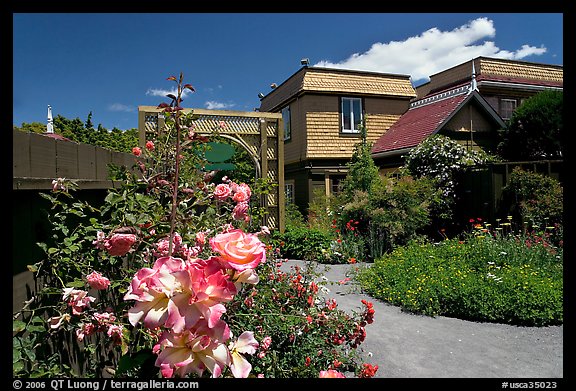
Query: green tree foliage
534	199
84	132
534	132
33	127
362	172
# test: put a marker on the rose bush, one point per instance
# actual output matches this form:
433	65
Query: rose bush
130	288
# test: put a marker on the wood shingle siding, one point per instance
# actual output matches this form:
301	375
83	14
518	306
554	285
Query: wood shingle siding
311	80
494	69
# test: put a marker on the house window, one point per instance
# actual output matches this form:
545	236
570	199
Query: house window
507	107
289	191
351	109
286	119
336	185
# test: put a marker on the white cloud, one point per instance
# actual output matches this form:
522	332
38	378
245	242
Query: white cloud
432	51
164	92
213	105
121	107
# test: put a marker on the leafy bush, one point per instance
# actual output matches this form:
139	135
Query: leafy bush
440	158
391	214
533	199
535	130
305	243
514	279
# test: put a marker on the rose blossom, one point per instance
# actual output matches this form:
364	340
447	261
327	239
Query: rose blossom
97	281
222	191
79	299
240	211
246	344
193	350
241	250
150	145
136	151
331	373
241	196
119	244
56	321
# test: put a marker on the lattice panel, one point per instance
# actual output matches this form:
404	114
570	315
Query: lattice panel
245	129
272	199
151	123
227	124
271	129
271	221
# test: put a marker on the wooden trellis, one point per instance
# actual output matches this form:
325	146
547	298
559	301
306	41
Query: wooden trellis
261	134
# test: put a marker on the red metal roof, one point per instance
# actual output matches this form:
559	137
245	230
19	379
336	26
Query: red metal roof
416	124
56	136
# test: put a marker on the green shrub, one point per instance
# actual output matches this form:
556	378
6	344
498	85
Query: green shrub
514	279
391	214
533	198
304	243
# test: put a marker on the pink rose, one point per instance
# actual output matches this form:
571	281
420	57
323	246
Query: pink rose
149	145
136	151
241	250
240	211
241	196
222	191
97	281
119	244
331	373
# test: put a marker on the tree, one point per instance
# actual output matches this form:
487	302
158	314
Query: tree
362	172
535	129
34	127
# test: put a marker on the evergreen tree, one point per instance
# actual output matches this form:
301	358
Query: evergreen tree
362	172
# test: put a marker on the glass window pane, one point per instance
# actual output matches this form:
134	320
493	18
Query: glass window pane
357	113
286	119
346	120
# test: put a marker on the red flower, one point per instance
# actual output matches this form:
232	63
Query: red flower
136	151
368	370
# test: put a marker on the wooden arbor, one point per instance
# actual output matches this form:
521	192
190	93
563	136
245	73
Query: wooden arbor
261	134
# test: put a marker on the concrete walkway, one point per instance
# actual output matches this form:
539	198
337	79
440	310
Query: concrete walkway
404	345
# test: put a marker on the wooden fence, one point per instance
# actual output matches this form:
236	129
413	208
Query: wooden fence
38	159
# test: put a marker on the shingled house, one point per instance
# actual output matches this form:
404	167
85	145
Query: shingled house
468	102
322	109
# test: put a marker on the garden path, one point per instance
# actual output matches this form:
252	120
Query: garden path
404	345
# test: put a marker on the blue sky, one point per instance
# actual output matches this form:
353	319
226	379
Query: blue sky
109	64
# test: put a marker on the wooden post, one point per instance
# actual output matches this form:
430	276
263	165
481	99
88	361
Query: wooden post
281	191
264	162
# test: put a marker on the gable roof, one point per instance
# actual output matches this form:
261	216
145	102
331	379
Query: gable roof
427	116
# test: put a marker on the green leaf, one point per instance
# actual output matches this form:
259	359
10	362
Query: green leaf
17	367
18	326
37	320
52	250
76	284
16	355
34	328
32	268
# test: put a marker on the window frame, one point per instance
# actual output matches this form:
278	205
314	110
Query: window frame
502	100
352	119
287	124
289	197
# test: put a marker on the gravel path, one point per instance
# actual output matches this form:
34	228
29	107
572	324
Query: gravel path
404	345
